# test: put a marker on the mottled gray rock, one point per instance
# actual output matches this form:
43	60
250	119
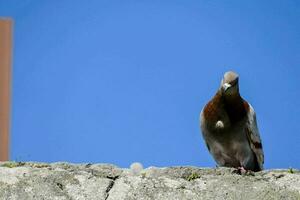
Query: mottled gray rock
60	181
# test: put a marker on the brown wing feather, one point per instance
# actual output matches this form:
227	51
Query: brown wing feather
254	137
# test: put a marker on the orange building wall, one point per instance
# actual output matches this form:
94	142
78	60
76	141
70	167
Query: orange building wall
5	85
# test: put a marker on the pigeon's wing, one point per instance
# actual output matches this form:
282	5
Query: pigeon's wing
254	137
203	129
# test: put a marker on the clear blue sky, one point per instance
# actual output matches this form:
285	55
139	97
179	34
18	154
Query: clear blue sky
116	82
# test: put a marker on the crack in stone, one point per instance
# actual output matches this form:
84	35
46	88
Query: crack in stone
61	186
110	185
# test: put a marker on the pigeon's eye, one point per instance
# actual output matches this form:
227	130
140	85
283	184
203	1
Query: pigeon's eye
234	82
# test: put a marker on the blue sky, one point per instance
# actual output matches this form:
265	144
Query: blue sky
124	81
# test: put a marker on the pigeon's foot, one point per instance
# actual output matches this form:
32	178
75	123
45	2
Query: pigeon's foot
242	171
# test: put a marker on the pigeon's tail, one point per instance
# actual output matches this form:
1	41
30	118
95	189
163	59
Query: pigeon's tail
256	165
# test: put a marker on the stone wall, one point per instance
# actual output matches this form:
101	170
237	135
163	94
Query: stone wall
103	181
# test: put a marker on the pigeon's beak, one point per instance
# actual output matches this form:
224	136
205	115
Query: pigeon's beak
226	86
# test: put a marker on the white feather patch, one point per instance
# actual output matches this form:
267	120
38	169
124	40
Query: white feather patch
219	124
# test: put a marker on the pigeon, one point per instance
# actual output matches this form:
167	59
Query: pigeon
229	128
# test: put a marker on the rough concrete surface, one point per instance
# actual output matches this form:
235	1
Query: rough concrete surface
60	181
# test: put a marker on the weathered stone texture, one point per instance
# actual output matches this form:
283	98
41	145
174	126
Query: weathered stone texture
61	181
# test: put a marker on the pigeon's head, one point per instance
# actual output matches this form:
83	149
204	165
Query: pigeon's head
230	84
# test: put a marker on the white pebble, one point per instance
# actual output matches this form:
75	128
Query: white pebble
136	168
